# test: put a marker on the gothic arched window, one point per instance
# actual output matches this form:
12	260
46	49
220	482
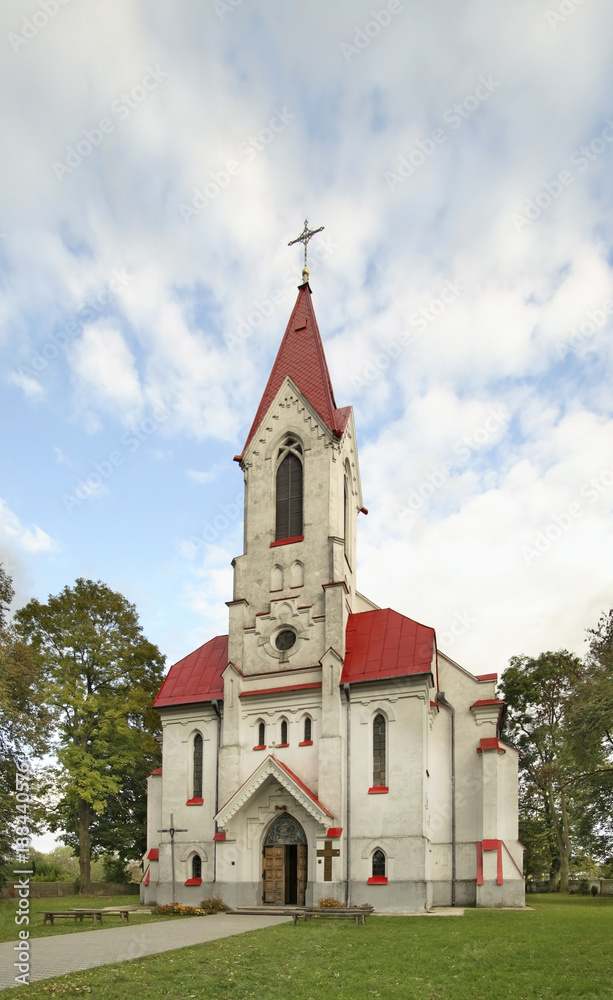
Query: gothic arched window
197	784
261	734
378	751
284	731
289	492
378	864
308	729
196	866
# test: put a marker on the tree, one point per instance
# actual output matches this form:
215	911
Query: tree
100	676
24	720
538	693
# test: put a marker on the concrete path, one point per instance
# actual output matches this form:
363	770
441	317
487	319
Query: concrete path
64	953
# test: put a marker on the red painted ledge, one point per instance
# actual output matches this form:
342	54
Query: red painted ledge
306	743
154	854
219	836
287	541
378	790
260	746
377	880
334	831
195	802
194	881
281	745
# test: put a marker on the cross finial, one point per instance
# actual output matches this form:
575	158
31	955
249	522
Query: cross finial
304	238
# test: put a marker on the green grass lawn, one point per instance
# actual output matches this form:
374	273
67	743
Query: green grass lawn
8	930
562	950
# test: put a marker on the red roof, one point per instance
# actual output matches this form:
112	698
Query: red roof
301	357
196	677
384	643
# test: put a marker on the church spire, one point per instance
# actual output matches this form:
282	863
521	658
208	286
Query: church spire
301	358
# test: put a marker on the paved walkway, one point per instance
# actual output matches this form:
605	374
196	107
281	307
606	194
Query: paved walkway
64	953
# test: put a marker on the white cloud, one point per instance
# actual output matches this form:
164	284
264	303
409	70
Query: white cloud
32	539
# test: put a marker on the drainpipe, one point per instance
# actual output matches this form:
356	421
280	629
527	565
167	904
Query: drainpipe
440	697
347	691
215	705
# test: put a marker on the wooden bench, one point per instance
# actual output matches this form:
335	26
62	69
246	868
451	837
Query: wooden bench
360	913
51	915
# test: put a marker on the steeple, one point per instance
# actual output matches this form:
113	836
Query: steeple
301	358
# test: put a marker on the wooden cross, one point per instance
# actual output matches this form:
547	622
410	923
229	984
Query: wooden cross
172	829
304	237
327	854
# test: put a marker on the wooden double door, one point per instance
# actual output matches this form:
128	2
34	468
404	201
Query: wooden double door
285	874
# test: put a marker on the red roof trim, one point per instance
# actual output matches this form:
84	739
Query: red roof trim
287	541
487	677
154	854
301	784
194	881
280	690
219	836
147	877
487	701
490	743
158	770
384	644
334	831
377	880
197	677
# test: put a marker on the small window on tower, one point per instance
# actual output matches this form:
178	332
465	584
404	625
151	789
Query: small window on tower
289	492
261	734
196	866
378	746
284	732
308	730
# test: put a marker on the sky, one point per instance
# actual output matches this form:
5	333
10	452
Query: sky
157	159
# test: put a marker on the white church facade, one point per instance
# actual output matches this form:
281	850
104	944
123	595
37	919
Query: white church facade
325	747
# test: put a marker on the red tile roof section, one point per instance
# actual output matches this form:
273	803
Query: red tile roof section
301	784
301	357
196	677
384	643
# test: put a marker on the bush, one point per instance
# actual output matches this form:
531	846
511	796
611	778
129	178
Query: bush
584	887
177	910
212	905
115	870
330	902
594	890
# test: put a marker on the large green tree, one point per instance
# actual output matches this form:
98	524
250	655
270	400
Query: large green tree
538	692
100	675
24	720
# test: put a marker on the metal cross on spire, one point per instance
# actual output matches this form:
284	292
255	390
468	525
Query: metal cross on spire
304	237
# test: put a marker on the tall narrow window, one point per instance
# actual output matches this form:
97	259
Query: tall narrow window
284	732
378	755
289	492
261	734
378	864
346	516
196	866
197	792
308	729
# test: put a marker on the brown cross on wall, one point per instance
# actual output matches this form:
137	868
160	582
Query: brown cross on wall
327	854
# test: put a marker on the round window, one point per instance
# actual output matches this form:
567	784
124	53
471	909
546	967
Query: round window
285	639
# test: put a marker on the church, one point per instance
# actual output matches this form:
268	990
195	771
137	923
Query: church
324	747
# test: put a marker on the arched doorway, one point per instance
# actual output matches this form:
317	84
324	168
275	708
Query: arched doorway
285	862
